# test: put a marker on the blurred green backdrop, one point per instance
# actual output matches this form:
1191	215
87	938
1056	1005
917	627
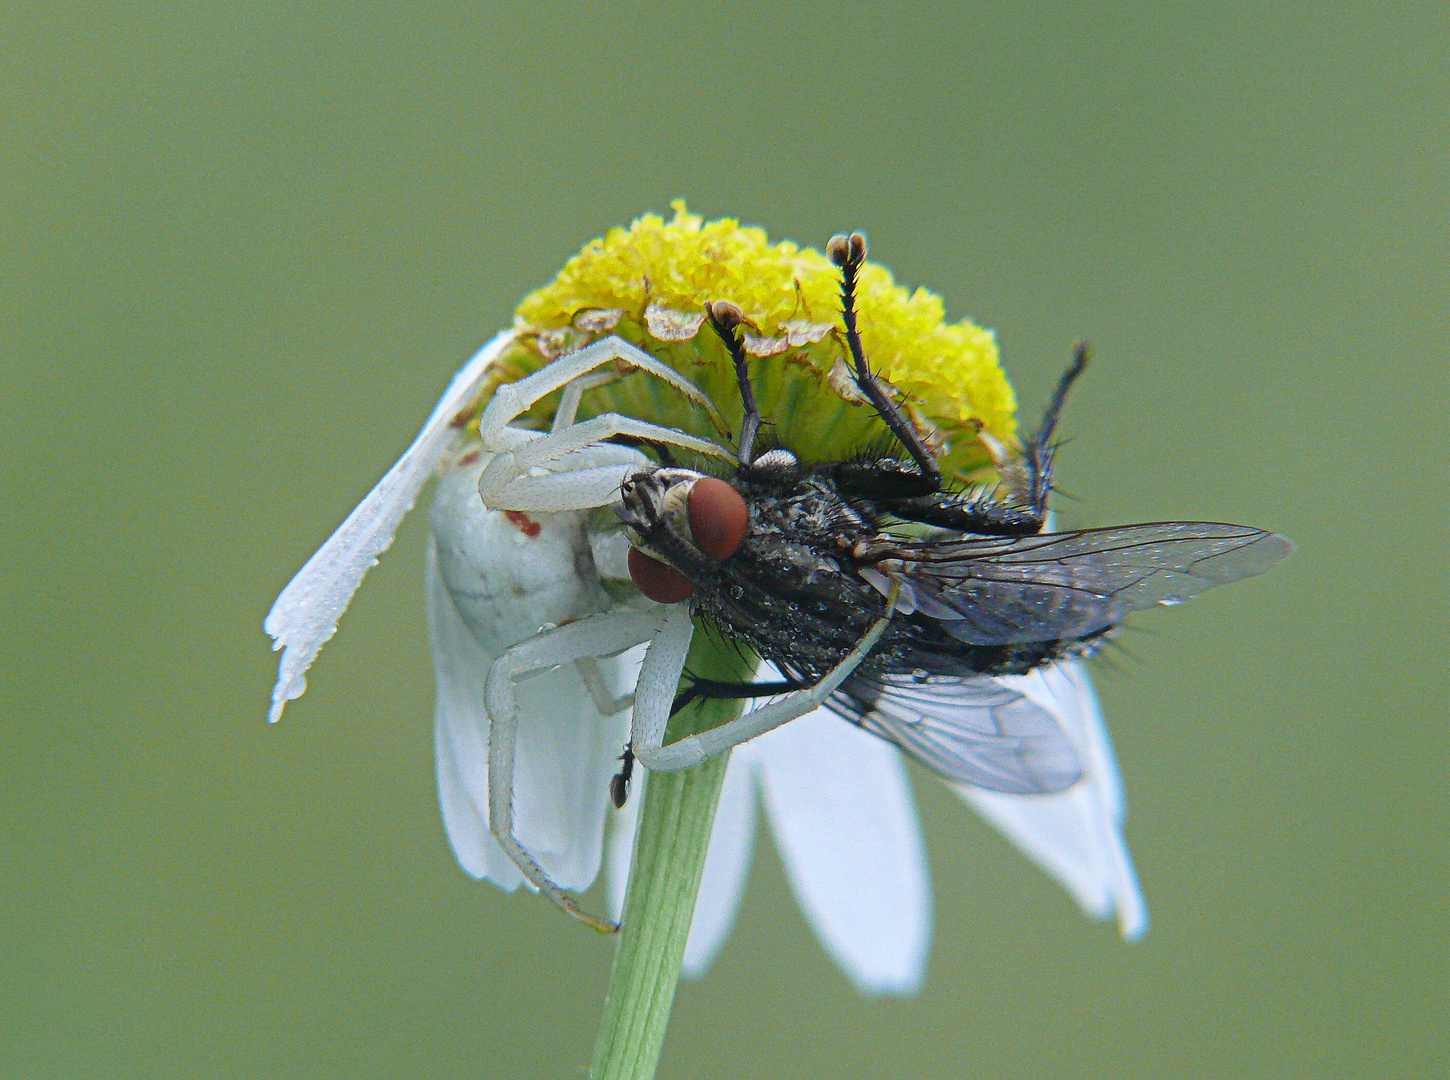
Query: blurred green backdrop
245	246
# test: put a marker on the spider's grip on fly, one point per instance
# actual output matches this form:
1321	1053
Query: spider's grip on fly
788	560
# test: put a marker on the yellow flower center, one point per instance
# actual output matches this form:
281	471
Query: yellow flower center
648	284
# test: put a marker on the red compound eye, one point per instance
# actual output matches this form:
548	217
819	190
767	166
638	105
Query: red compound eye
662	584
718	517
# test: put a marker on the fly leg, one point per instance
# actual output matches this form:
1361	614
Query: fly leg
1026	479
1040	449
849	253
711	690
725	319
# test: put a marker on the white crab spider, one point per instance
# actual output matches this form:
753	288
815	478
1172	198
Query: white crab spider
569	469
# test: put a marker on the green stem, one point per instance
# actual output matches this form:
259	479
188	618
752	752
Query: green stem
669	857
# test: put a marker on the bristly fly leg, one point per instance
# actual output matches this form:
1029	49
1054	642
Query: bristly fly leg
849	253
725	319
712	690
619	783
1040	449
1026	479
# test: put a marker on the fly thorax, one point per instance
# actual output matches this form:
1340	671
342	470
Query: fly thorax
815	514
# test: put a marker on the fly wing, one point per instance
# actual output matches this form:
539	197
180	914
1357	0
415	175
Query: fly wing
1056	586
970	730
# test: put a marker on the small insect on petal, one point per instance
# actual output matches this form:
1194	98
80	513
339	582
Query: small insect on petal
662	584
718	517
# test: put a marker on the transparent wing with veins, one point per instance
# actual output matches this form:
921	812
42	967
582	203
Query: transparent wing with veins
1055	586
970	730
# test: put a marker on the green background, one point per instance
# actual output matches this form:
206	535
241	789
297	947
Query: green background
245	246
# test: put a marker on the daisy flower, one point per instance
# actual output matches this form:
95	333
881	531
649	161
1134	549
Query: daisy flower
838	799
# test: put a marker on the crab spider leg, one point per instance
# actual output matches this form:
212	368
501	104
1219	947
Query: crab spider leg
605	634
607	703
569	399
576	490
512	400
511	466
659	675
648	726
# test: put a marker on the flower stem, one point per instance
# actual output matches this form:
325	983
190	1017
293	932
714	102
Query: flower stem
669	857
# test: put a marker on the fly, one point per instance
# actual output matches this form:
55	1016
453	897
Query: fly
798	561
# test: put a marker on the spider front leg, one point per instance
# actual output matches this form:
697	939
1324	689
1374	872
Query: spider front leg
520	477
510	482
653	704
512	400
596	636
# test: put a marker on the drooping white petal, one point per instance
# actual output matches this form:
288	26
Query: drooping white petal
460	737
727	860
1075	835
305	614
505	578
843	816
566	755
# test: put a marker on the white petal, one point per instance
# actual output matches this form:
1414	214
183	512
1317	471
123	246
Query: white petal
1075	835
567	754
727	863
306	613
845	821
460	737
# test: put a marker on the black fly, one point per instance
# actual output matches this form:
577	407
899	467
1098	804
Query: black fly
796	562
